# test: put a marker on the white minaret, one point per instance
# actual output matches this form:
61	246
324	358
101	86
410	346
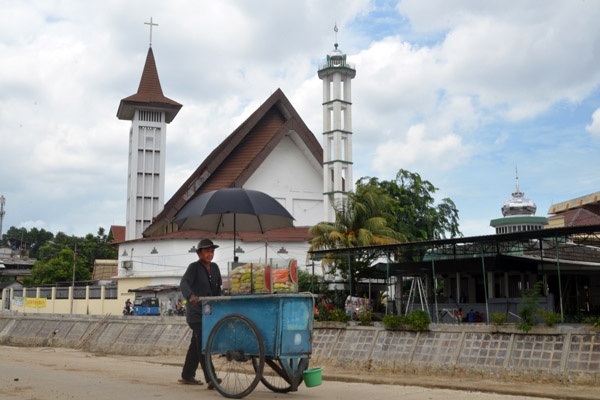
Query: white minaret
337	76
150	112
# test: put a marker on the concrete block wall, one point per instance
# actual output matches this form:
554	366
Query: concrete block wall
571	356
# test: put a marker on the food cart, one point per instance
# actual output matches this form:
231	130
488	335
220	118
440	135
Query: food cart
254	338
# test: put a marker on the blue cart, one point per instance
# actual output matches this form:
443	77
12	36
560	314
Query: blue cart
241	334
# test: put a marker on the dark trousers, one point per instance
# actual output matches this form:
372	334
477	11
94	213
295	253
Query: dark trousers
194	354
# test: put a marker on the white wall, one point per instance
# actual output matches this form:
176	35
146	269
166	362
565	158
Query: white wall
292	176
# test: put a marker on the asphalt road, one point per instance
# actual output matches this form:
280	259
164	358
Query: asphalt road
57	373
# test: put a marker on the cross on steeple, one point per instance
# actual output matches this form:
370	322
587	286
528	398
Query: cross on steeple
151	25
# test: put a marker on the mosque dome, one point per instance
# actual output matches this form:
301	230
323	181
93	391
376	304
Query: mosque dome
518	204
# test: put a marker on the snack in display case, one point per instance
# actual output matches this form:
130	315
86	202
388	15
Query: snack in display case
285	278
249	279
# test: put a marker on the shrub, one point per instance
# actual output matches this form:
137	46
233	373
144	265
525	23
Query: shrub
498	318
597	324
419	320
365	318
530	306
392	322
323	312
338	315
550	318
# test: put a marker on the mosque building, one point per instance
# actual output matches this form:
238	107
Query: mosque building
518	215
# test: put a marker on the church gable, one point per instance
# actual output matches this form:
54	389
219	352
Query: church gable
289	175
238	157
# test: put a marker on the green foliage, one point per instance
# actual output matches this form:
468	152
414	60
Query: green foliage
365	318
392	322
414	213
309	283
322	312
550	318
54	254
597	324
498	318
419	320
339	315
361	221
530	307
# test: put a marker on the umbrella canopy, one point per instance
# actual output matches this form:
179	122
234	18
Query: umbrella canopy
233	210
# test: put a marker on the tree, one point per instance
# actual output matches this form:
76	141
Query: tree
414	212
360	221
54	254
59	269
26	240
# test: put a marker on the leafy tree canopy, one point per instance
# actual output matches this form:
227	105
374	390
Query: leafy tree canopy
379	213
54	254
361	221
414	211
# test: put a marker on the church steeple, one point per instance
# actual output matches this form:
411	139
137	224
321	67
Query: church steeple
149	111
149	94
337	76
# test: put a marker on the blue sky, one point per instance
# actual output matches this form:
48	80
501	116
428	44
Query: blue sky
461	92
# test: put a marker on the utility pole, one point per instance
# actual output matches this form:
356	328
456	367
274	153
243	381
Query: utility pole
73	279
2	212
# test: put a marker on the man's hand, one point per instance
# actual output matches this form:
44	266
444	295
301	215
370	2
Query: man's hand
194	300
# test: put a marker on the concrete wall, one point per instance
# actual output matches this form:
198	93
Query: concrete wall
568	354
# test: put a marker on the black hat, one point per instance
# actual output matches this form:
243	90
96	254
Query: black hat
206	244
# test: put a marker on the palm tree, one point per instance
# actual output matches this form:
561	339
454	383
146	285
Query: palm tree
360	221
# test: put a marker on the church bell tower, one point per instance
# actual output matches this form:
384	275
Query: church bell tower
149	112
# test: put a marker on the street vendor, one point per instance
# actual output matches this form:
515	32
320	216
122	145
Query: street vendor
201	279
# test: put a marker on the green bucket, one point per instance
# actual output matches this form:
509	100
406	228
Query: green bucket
313	377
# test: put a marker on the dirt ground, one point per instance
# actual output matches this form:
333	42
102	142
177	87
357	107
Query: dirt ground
58	373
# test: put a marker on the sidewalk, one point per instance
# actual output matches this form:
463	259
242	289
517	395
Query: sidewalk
535	389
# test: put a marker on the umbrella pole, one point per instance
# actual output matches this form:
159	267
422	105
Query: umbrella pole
235	257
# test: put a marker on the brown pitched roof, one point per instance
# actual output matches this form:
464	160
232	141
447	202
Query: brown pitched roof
239	155
118	233
580	217
149	95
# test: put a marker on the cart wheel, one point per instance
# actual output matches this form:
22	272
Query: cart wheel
276	378
235	356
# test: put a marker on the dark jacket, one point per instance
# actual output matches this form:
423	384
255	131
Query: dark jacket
196	280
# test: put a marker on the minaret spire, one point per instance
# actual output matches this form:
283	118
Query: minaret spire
336	75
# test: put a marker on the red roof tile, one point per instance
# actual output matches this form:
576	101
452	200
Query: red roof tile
118	233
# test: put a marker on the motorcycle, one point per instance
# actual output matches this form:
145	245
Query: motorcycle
128	310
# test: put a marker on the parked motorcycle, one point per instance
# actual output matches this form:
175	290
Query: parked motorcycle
128	310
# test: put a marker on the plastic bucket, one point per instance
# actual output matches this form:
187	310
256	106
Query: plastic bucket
313	377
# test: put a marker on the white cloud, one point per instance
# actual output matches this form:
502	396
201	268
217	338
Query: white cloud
420	152
456	91
594	127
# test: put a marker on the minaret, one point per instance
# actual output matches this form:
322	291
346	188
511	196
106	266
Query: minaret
337	76
149	112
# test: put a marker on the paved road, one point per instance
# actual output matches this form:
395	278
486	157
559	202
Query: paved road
56	373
